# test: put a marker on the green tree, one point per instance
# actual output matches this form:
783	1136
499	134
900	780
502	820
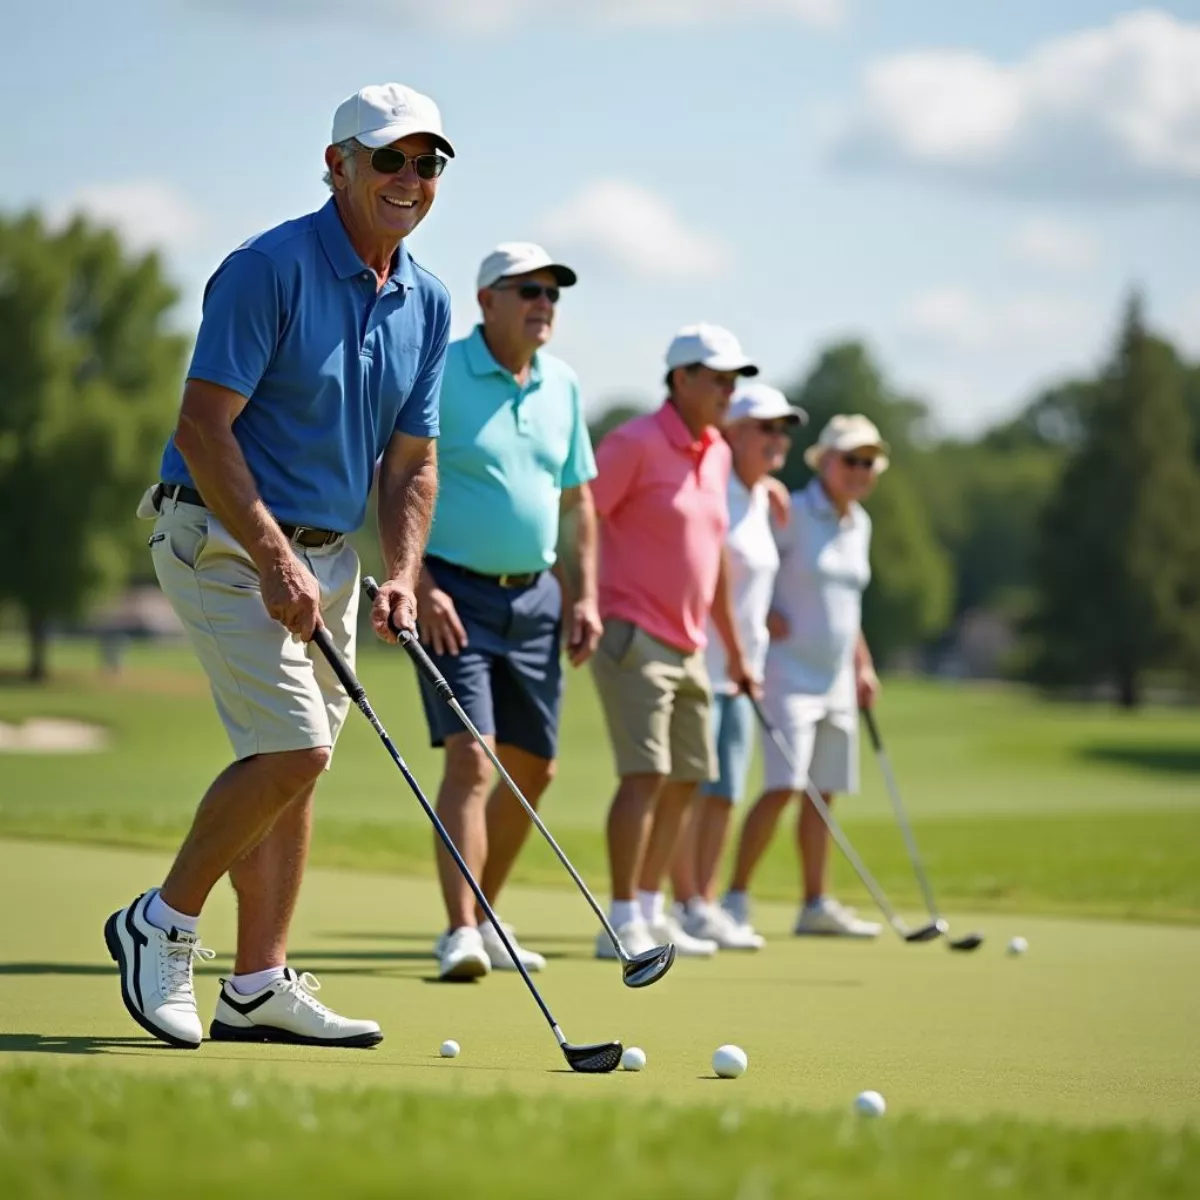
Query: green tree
89	385
1119	555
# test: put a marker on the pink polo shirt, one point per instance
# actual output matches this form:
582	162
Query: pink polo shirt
661	497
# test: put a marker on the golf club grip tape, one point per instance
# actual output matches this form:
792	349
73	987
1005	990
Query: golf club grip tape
872	728
341	668
424	663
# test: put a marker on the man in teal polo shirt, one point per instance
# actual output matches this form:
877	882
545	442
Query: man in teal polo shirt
514	454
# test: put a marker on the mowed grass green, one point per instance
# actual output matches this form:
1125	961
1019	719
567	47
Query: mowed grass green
1019	804
1069	1071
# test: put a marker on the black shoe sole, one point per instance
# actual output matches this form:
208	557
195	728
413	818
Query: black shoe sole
113	942
218	1031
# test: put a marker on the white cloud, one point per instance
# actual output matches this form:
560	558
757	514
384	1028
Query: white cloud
1100	113
481	17
636	230
148	214
955	318
1054	245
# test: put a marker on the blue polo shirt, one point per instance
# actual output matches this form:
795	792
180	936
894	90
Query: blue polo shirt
331	367
505	454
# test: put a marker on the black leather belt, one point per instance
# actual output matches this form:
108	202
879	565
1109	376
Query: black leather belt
302	535
526	579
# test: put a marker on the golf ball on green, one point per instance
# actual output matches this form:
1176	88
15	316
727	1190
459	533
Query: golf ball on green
1018	945
870	1104
634	1059
449	1048
729	1062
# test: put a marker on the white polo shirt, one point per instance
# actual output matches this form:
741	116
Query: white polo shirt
824	569
753	563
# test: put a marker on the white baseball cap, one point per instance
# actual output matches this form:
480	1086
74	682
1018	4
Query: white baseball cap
380	114
708	346
760	402
845	433
519	258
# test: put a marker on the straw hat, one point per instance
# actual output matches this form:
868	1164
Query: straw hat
845	433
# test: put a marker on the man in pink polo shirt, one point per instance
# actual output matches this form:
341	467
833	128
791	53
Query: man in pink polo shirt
661	495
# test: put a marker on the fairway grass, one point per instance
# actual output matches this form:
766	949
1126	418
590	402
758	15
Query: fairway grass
82	1133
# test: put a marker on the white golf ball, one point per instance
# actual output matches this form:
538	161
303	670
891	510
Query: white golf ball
870	1104
729	1062
1018	945
449	1048
633	1059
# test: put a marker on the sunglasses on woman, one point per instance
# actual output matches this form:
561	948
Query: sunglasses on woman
855	461
531	291
387	161
774	428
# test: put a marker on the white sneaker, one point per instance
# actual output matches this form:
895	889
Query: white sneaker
634	936
737	909
827	918
156	974
709	922
531	960
463	955
667	929
287	1011
439	946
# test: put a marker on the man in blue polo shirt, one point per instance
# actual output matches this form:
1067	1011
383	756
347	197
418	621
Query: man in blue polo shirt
319	358
514	454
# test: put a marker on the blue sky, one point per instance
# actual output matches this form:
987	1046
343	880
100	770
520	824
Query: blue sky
969	187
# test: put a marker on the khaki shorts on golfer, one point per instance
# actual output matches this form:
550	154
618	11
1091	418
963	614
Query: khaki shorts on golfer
657	705
273	693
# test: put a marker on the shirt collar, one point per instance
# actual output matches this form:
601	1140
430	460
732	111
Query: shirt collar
343	257
481	362
679	435
822	506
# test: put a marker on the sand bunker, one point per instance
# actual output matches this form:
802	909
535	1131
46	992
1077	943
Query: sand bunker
51	735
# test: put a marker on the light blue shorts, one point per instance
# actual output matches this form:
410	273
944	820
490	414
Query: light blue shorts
733	732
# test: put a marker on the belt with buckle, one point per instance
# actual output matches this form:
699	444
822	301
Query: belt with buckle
302	535
522	580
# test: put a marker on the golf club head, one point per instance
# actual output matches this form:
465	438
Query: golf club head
648	967
596	1059
968	941
927	933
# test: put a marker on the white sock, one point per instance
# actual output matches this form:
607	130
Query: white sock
160	913
651	904
697	904
622	912
247	985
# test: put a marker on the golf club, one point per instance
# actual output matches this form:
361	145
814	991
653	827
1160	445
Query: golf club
595	1059
638	970
969	941
925	933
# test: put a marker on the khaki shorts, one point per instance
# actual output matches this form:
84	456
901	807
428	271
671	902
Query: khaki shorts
273	693
657	705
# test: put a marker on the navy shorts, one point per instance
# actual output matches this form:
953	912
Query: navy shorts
509	676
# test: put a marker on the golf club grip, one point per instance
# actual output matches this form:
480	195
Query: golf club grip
412	644
872	728
341	668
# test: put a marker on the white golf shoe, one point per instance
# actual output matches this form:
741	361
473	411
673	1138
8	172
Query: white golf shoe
499	957
462	954
736	906
668	929
287	1011
709	922
828	918
156	974
634	936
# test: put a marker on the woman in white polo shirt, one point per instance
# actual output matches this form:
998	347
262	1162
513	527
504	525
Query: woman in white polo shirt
758	428
819	670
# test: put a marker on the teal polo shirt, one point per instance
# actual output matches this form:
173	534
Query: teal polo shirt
505	454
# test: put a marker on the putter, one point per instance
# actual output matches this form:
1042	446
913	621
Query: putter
637	970
968	941
926	933
596	1059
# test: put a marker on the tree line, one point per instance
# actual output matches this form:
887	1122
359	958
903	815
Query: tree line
1077	522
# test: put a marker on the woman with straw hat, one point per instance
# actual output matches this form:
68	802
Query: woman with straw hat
819	670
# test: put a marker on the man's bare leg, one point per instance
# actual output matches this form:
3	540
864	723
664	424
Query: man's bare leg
757	831
812	836
508	824
628	831
462	807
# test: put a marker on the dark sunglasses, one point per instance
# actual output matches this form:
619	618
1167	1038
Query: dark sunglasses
774	428
387	161
855	461
532	291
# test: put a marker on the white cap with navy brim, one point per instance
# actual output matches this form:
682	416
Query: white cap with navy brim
520	258
708	346
756	401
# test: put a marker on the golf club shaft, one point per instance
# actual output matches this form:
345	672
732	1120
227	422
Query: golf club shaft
437	680
831	823
357	693
910	840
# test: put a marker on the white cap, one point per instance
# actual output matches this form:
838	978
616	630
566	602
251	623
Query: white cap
845	433
380	114
760	402
709	346
519	258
